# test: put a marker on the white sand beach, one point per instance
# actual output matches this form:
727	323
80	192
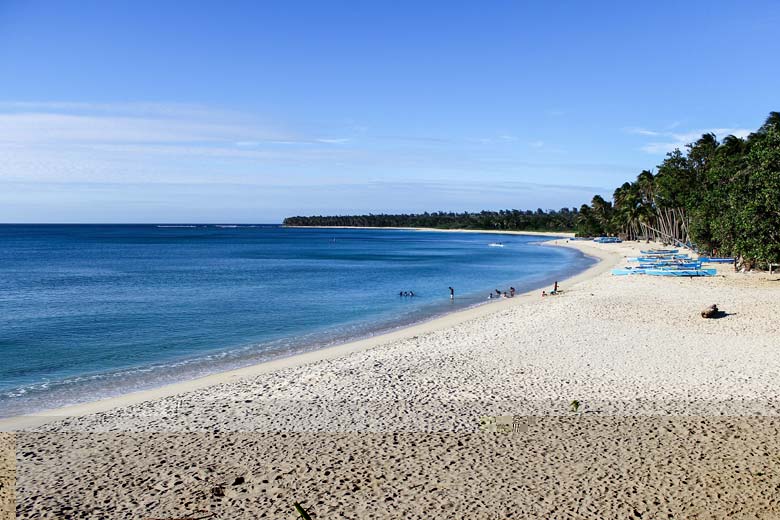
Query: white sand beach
678	417
551	234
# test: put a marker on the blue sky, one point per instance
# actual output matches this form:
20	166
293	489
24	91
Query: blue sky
251	111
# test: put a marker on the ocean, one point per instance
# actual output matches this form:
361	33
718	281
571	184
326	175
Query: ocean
92	311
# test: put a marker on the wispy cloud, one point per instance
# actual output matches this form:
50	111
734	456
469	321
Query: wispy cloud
255	144
641	131
501	139
41	127
667	140
75	141
503	186
25	122
137	109
88	146
341	140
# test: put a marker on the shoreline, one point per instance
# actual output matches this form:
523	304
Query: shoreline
605	260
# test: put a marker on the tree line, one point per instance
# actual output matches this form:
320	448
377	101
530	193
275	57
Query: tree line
504	220
717	197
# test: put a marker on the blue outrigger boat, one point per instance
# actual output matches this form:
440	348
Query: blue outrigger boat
627	270
663	272
659	258
666	262
710	260
659	251
607	240
681	272
671	265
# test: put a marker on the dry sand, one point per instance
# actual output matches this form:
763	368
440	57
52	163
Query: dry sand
7	475
678	418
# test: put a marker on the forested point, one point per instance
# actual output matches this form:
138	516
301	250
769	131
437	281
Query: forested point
504	220
716	197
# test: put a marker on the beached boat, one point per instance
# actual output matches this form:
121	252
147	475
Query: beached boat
670	265
664	271
681	272
659	251
658	258
710	260
627	270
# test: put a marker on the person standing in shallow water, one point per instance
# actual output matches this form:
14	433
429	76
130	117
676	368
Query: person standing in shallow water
452	293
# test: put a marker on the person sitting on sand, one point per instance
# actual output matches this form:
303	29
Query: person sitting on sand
511	292
544	293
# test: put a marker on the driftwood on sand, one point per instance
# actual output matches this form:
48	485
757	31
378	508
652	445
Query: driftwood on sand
710	312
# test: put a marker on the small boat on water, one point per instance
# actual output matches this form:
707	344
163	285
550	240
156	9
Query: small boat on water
496	244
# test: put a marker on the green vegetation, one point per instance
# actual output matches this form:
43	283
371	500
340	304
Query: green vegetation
721	198
511	220
718	197
302	514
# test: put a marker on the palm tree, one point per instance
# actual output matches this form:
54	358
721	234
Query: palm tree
602	212
630	210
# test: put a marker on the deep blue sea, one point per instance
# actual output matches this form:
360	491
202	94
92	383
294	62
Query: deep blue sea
89	311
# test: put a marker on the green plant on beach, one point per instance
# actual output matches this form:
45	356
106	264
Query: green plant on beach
301	511
574	406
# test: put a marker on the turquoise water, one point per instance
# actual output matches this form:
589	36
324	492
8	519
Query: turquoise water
95	311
